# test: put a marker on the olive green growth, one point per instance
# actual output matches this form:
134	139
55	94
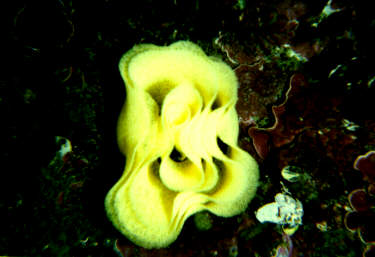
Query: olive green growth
203	221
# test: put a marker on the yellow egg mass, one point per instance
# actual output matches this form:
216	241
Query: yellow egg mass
178	130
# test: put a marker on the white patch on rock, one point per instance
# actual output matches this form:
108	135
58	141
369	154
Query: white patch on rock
284	211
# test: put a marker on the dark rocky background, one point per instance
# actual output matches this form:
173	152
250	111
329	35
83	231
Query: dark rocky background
60	78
